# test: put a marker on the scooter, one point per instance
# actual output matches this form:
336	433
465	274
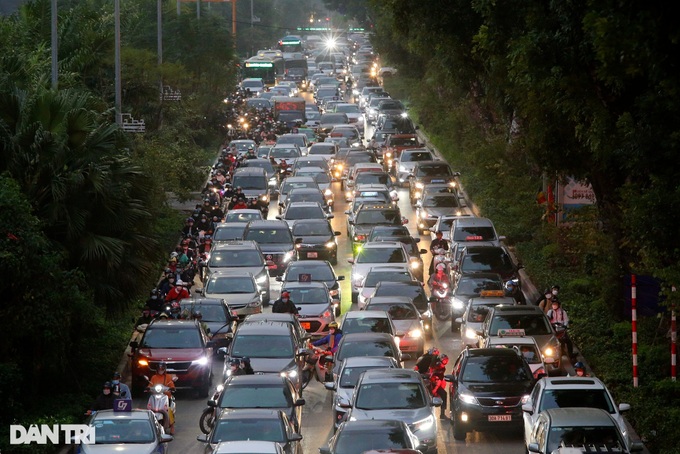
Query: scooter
321	369
207	419
163	406
441	301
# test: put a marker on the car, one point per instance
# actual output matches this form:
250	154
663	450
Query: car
377	142
314	271
216	316
295	211
275	241
239	288
391	107
291	319
367	190
248	446
135	431
243	216
294	138
306	195
329	120
310	161
406	319
371	106
375	254
229	231
253	424
473	229
367	344
531	321
476	310
353	158
415	291
483	258
316	308
566	392
414	252
400	122
378	274
471	286
263	150
346	379
383	231
373	177
323	180
272	346
183	345
581	428
261	391
241	256
271	173
444	224
327	150
372	437
365	91
284	151
254	84
527	347
290	183
354	114
255	185
374	321
403	164
367	217
429	172
487	389
315	239
432	206
397	394
398	142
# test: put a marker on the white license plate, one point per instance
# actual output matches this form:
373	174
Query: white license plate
312	255
493	418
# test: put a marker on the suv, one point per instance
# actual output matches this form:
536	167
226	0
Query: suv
397	394
415	291
471	229
185	348
425	172
431	206
488	388
255	185
275	241
367	217
484	258
242	256
373	321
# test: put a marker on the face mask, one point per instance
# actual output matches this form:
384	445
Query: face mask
548	296
115	382
285	300
554	292
107	392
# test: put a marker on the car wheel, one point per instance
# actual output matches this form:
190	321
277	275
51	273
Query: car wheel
458	432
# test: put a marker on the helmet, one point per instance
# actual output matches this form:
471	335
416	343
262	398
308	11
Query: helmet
439	232
441	266
579	365
162	365
443	356
235	362
197	315
333	325
190	219
285	294
433	351
116	374
174	254
179	282
107	384
555	287
510	285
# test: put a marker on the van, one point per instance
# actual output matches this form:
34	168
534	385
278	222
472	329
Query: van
255	185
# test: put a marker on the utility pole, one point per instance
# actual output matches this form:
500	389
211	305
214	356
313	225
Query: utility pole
116	14
55	46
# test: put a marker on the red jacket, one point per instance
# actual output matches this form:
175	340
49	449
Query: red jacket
177	293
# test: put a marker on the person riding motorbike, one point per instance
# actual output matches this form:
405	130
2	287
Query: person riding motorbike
559	317
440	279
189	228
104	401
580	369
124	389
423	363
512	289
330	345
168	380
437	382
438	243
235	368
177	293
239	204
284	305
544	301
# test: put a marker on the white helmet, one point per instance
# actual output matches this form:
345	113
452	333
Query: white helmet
441	266
179	282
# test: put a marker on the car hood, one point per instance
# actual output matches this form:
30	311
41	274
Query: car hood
172	354
312	310
235	299
271	365
218	327
315	239
406	325
500	389
120	447
408	416
435	212
275	248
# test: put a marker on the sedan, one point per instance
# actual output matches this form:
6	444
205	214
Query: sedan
378	274
243	216
376	254
295	211
367	344
253	424
135	432
314	271
372	436
216	316
240	289
403	165
305	195
316	308
291	183
432	207
315	239
406	320
471	286
229	231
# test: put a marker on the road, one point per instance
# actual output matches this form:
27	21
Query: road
316	416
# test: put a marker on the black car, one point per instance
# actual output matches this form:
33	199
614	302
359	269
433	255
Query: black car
262	391
414	290
255	185
268	167
315	239
488	388
372	436
215	315
369	216
253	424
433	206
275	241
470	286
489	259
426	172
314	271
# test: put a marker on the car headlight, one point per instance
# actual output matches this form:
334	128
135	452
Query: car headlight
349	194
262	279
415	333
202	361
402	169
292	373
457	304
255	303
419	185
424	424
328	192
468	398
220	388
388	154
265	198
326	314
288	256
330	244
470	333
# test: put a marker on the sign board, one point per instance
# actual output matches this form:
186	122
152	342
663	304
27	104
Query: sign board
122	405
492	293
575	193
511	332
304	278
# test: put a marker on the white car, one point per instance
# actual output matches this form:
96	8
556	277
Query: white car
376	254
564	392
378	274
527	346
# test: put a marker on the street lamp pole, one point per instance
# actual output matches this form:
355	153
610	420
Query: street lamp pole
116	14
55	44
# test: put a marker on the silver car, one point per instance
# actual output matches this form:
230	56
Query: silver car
376	254
315	306
403	165
134	431
249	446
239	290
381	273
406	319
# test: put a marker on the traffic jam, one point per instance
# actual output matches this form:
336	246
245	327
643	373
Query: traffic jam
334	291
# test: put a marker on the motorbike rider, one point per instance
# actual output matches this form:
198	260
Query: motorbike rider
423	363
284	305
245	365
166	284
239	204
203	223
122	387
250	154
580	369
437	382
104	401
177	293
330	343
557	315
544	301
512	289
235	368
439	278
189	229
438	243
168	380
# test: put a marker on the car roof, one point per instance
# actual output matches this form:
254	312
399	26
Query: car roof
249	170
174	323
266	223
514	340
270	317
391	375
581	417
309	263
383	244
517	309
362	361
389	299
262	327
137	413
366	314
368	425
298	178
303	204
473	221
262	447
572	383
235	244
203	301
248	413
255	379
230	272
500	352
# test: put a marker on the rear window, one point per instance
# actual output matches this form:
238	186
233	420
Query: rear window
253	396
229	233
365	348
389	217
532	324
381	255
269	235
235	258
473	233
491	261
248	182
262	346
494	369
384	396
171	337
391	276
248	429
566	398
434	171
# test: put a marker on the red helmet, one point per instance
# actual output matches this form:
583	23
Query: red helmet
285	294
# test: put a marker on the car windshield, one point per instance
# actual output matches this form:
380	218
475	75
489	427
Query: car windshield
260	429
319	273
383	396
270	236
234	232
297	140
312	229
255	396
415	292
584	436
247	182
472	233
242	216
235	258
287	186
305	212
284	152
436	170
416	156
387	217
365	441
443	200
209	312
350	375
366	325
171	337
297	196
373	178
381	255
495	260
116	431
322	149
374	277
308	295
262	346
230	284
529	351
398	311
385	231
532	324
494	369
474	285
365	348
577	397
311	115
382	196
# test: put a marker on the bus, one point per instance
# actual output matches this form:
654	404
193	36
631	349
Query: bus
291	43
264	68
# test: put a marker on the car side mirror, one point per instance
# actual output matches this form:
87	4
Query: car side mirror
330	216
330	385
202	438
528	408
279	217
298	240
294	437
418	241
423	251
350	261
166	438
502	238
624	407
637	446
450	378
324	450
300	402
459	320
404	220
212	403
533	447
336	233
437	401
340	278
348	212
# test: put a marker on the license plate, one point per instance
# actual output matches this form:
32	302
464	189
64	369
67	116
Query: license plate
312	255
306	325
437	181
493	418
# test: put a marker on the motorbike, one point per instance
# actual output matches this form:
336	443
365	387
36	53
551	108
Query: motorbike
441	301
163	406
321	370
562	336
207	419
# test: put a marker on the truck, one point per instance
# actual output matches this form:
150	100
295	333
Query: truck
290	110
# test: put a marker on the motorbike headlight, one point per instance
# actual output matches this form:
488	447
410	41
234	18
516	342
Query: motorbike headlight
457	304
424	424
415	333
419	185
388	154
452	184
468	398
265	198
220	388
328	192
415	265
202	361
143	362
292	373
549	351
470	333
158	388
422	214
330	244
